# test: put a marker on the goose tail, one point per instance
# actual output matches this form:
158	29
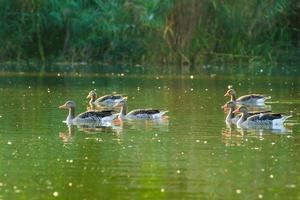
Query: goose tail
163	112
267	97
284	118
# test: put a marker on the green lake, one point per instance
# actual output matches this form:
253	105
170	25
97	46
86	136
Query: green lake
190	155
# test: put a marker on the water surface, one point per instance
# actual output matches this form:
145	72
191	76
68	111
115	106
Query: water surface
192	155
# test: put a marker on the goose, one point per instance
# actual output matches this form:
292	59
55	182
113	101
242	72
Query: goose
104	101
249	99
148	113
267	120
87	117
232	118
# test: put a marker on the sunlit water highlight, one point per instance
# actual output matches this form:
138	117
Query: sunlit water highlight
191	155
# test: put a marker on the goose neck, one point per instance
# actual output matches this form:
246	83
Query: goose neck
244	116
233	97
92	100
123	110
71	115
230	114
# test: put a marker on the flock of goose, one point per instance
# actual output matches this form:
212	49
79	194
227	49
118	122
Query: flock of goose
238	112
104	110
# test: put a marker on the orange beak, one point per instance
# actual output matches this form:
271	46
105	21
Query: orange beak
225	108
226	94
62	106
236	111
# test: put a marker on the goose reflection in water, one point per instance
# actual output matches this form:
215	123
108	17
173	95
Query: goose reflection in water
232	136
91	129
88	129
67	136
147	125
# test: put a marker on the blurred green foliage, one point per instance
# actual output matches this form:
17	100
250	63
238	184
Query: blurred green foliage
153	31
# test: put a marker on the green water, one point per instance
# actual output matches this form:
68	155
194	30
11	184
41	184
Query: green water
192	155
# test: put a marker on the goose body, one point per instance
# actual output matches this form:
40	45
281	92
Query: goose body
104	101
233	117
148	113
96	116
249	99
87	117
267	120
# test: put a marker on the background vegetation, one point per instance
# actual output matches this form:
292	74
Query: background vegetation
168	32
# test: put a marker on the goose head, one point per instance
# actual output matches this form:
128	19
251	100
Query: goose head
68	105
229	105
241	109
92	94
230	92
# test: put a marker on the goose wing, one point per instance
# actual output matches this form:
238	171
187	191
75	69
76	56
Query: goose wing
148	111
97	114
112	97
265	117
250	97
258	112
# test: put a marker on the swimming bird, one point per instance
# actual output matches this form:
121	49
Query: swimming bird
148	113
267	120
104	101
87	117
232	118
249	99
